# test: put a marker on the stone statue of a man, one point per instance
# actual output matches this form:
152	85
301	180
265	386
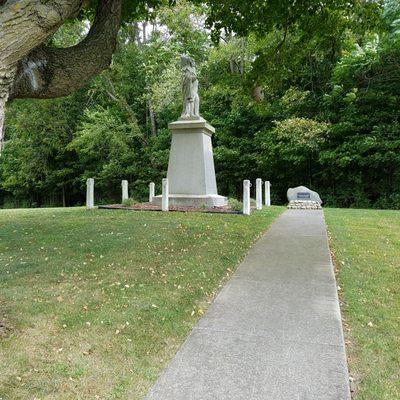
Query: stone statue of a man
190	86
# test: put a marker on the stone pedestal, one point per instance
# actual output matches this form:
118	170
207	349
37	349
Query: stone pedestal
152	190
125	191
259	194
90	194
165	196
246	197
267	193
191	173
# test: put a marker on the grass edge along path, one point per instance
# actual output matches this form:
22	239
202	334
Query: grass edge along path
366	247
94	304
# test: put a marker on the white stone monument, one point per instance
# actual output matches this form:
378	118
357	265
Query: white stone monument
90	194
165	195
303	193
152	191
191	172
125	192
302	197
259	194
267	193
246	197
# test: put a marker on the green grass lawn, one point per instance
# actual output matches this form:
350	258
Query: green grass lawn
367	248
94	304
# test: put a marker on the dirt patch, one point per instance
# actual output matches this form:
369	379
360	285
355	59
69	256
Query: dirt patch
5	330
152	207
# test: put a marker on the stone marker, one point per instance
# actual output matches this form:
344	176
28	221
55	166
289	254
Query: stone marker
267	193
303	193
151	191
246	197
125	193
303	198
259	194
90	194
191	171
165	195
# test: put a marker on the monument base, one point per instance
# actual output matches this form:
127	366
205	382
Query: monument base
187	200
191	173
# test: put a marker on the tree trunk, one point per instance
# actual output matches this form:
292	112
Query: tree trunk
152	119
6	80
137	33
144	31
243	54
3	101
258	94
63	195
232	66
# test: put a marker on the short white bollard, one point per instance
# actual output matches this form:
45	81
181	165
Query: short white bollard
259	194
125	193
165	190
151	191
246	197
267	193
90	194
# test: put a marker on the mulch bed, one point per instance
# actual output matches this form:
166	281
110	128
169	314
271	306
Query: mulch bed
152	207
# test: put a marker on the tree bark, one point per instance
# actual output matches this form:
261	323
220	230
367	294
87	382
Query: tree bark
137	33
25	24
6	80
153	121
3	101
63	196
48	72
257	94
144	31
243	54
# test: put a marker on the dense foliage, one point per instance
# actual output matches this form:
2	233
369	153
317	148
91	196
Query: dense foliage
314	100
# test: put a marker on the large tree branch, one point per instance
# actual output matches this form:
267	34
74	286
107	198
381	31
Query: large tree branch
25	24
48	72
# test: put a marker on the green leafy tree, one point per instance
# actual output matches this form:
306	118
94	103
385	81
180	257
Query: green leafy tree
36	166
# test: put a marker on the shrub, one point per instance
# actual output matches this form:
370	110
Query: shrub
129	202
235	205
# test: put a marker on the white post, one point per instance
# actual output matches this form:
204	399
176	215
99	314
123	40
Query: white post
125	194
246	197
151	191
90	194
267	193
165	202
259	194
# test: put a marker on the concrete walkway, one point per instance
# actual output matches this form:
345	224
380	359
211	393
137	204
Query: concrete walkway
274	332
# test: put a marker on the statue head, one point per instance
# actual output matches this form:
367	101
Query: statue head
187	61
